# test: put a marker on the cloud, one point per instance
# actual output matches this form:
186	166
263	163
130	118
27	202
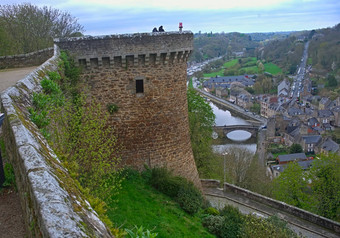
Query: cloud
180	4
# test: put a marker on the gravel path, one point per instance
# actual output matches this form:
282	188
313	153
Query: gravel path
9	77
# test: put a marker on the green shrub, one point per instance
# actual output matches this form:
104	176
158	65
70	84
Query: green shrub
183	191
54	76
281	225
40	100
213	224
140	233
212	211
50	86
165	182
189	198
112	108
71	71
233	222
39	118
9	175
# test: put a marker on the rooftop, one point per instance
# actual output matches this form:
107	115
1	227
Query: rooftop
292	157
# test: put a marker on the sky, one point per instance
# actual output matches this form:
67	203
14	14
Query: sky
102	17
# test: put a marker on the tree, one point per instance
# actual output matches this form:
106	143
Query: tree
331	81
291	187
256	108
256	179
30	28
295	148
325	175
201	120
238	163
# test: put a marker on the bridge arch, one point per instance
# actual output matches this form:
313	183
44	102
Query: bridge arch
224	130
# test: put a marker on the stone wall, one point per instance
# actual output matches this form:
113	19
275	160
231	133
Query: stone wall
152	124
26	60
51	202
211	187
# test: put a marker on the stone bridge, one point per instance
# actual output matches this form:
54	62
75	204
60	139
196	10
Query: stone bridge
224	130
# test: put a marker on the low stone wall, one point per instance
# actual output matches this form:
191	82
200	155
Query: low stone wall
213	185
25	60
51	202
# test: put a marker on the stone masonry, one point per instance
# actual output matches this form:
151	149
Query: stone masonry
25	60
51	202
144	74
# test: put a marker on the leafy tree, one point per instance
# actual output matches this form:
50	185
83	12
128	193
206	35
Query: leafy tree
201	120
295	148
331	81
256	108
29	28
291	185
250	90
325	175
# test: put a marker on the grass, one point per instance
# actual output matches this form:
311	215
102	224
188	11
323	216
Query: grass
249	66
272	68
230	63
141	205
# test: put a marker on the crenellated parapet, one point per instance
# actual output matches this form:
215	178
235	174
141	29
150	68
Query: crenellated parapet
129	50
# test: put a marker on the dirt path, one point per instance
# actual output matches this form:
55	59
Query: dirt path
11	216
9	77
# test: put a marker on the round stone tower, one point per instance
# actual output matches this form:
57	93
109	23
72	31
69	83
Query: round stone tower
144	75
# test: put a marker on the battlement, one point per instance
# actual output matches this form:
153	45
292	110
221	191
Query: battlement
139	49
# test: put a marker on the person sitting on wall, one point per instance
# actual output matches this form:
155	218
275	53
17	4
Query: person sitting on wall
160	29
155	29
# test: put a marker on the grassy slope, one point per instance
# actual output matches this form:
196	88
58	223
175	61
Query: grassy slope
249	66
272	68
139	204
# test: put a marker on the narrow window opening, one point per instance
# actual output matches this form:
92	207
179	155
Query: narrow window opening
139	86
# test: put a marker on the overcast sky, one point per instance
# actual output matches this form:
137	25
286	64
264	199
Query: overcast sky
128	16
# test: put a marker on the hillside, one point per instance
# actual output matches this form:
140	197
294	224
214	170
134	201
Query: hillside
141	205
212	45
324	50
285	53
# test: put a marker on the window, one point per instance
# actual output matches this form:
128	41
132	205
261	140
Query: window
139	86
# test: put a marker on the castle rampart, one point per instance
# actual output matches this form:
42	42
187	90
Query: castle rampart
144	75
51	203
25	60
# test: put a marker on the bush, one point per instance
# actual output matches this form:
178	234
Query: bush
212	211
50	86
165	182
189	198
9	175
233	222
54	76
39	118
213	224
183	191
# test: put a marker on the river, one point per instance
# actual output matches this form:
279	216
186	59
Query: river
237	138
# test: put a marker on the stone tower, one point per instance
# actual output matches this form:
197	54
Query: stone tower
144	74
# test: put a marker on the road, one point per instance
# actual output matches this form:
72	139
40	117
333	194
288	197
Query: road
297	86
247	206
9	77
